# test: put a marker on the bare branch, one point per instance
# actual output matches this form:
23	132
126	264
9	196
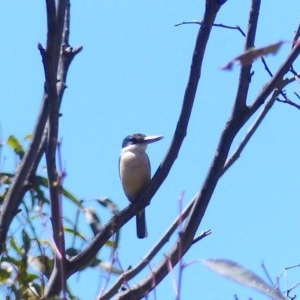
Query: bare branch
290	102
201	236
296	36
276	81
236	27
63	57
55	23
19	185
245	73
236	154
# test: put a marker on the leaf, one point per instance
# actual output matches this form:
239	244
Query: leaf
40	197
109	268
248	56
70	252
243	276
41	263
109	204
74	232
28	137
4	186
113	208
43	181
26	241
14	245
34	291
5	271
68	195
15	145
111	244
92	219
6	178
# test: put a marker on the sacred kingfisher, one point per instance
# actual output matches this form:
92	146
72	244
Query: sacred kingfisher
135	172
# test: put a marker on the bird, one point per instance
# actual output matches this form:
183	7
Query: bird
135	172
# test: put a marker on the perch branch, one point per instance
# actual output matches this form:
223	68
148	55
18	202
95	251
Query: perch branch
129	274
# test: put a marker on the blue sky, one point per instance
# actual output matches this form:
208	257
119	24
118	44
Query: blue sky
130	77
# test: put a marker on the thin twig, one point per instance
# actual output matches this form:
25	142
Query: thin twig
276	81
180	262
290	102
267	274
236	27
201	236
236	154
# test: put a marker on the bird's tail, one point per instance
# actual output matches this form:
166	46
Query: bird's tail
141	227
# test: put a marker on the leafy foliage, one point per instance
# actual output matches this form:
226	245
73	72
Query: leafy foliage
29	259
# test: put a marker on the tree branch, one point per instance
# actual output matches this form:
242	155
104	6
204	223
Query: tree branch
245	72
19	184
129	274
236	154
296	36
62	56
276	81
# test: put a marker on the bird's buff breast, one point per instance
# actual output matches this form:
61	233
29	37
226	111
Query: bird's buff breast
135	173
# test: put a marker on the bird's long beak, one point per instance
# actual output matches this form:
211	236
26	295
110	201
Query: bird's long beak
152	139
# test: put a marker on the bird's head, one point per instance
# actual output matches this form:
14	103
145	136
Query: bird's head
139	140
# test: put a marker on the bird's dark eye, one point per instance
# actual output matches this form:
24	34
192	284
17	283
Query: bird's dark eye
129	140
133	140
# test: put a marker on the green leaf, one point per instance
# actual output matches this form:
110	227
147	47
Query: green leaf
12	261
74	233
26	241
14	245
5	272
39	180
71	197
28	137
31	277
15	145
34	291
